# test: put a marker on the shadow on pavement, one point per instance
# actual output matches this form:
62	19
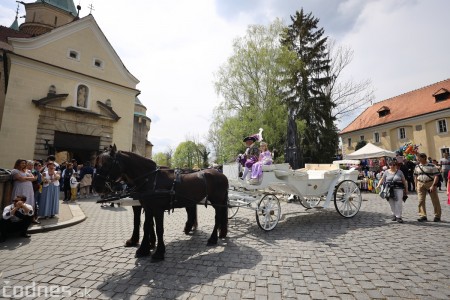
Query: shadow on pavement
188	265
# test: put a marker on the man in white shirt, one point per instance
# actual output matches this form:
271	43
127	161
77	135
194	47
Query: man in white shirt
16	217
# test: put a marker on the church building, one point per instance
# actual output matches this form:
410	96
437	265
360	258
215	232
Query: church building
64	90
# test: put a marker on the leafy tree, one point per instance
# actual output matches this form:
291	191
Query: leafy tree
250	82
305	93
161	159
190	155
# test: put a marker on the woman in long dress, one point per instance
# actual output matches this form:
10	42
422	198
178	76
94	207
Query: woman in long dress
22	182
49	206
265	158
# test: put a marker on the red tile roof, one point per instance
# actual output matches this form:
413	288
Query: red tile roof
6	32
415	103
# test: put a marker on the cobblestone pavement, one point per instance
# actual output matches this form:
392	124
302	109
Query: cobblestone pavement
311	254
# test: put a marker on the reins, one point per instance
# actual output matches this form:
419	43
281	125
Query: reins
153	190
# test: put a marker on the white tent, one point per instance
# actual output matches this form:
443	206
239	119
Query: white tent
346	162
370	151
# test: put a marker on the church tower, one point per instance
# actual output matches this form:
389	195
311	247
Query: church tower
43	16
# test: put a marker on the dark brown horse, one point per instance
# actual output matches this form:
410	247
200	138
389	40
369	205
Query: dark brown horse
191	223
160	190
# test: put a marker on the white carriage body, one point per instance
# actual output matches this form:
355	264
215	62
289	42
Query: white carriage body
311	185
268	177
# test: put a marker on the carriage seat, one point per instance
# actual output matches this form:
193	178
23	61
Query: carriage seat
322	174
351	174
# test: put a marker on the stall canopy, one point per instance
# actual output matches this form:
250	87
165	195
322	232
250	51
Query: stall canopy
346	162
370	151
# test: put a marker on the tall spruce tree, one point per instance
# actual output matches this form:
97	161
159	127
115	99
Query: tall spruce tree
306	94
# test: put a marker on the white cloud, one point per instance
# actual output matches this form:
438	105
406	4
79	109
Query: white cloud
174	47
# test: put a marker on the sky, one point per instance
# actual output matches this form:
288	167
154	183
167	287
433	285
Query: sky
175	48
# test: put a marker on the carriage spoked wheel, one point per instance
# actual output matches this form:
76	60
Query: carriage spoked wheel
268	212
347	198
310	202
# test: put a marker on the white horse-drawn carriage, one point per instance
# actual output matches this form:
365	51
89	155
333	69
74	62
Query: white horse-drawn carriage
309	186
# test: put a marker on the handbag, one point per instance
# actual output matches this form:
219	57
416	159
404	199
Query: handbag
387	191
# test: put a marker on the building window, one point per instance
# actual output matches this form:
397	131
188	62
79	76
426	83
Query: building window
98	63
361	138
73	54
441	95
376	137
383	111
401	133
442	126
349	143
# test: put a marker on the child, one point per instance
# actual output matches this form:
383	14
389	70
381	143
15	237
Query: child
73	186
265	158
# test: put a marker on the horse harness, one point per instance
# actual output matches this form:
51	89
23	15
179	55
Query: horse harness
133	192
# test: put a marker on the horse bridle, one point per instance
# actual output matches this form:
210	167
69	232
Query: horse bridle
107	178
109	182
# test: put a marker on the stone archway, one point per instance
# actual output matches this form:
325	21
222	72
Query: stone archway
77	133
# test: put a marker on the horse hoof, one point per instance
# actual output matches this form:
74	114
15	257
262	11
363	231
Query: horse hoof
131	243
157	259
142	253
211	243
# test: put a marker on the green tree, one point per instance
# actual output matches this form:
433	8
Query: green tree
305	92
161	159
190	155
360	144
250	82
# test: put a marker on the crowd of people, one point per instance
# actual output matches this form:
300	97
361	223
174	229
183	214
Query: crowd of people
423	176
36	187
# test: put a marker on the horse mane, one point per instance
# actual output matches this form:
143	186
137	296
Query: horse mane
143	161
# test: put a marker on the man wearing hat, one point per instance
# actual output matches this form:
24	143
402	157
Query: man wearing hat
250	155
426	177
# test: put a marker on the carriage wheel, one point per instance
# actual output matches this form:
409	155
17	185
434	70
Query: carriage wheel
268	212
232	210
310	202
347	198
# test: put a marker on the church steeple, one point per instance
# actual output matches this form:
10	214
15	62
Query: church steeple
15	24
43	16
66	5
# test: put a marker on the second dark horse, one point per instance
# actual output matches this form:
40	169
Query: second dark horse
159	190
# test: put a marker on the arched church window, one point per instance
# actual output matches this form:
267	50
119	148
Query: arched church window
82	95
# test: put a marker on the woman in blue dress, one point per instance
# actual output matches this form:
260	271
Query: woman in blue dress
49	205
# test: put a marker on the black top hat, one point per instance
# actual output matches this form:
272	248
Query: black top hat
250	138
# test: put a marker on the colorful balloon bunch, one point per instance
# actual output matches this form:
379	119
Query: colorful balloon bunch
409	150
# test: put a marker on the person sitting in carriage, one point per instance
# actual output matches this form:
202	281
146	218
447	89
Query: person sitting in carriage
265	158
251	154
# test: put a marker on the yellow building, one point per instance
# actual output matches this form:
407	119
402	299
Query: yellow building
64	90
420	116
